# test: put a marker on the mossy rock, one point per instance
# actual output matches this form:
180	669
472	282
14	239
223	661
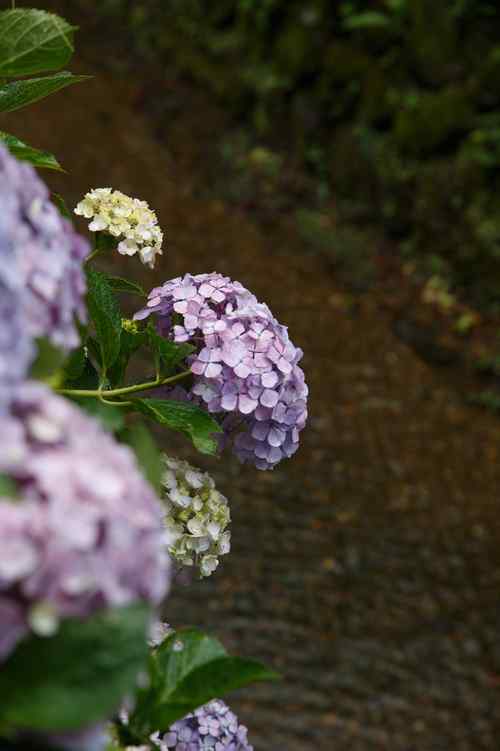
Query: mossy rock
434	117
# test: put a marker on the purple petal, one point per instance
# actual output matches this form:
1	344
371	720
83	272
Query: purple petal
246	405
269	398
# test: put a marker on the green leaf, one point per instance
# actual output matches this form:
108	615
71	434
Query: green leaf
8	487
167	354
33	41
105	315
18	94
130	342
88	378
21	150
118	284
75	364
187	670
186	418
59	201
48	361
77	677
148	455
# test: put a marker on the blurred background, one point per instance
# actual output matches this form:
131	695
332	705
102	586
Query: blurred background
342	160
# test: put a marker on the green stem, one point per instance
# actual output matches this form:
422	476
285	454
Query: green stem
93	254
126	389
120	403
102	241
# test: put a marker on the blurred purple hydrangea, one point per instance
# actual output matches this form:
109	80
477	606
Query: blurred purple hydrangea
246	368
16	346
42	284
84	530
212	727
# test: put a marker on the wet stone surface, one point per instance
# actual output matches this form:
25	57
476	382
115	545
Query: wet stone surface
367	569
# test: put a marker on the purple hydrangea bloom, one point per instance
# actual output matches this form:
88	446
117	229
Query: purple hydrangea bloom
212	727
86	529
42	284
16	346
246	368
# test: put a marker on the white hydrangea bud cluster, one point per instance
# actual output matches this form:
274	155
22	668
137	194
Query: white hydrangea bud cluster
196	517
119	215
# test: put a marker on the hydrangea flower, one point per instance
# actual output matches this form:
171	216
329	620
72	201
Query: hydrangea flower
246	368
196	517
16	346
42	284
85	530
159	632
123	217
212	727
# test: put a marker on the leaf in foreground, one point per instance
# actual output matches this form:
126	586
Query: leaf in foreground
36	157
18	94
77	677
186	418
105	315
186	671
33	41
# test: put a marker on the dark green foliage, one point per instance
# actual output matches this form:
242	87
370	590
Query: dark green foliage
401	96
183	417
76	677
18	94
36	157
32	42
186	671
105	315
167	355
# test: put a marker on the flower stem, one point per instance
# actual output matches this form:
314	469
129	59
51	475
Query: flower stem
126	389
92	255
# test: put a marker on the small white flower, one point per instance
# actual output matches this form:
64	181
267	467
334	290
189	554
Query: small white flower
196	517
224	545
122	216
208	564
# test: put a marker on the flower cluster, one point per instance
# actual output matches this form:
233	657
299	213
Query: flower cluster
84	530
41	279
119	215
246	367
16	346
196	517
212	727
